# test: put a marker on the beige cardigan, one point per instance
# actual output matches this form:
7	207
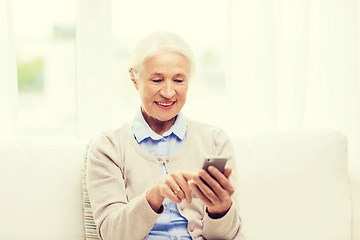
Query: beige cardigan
119	172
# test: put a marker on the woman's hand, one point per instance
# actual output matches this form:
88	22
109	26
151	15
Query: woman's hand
216	196
174	186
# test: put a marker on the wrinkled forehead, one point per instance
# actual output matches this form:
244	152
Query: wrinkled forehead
164	60
166	63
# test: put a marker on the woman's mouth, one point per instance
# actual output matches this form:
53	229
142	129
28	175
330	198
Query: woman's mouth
165	104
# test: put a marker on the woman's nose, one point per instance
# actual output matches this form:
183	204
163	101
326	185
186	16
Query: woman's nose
167	90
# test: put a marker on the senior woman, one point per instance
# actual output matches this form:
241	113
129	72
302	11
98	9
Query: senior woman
145	179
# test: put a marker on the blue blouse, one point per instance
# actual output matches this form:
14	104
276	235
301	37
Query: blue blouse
170	224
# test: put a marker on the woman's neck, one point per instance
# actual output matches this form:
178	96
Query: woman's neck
159	127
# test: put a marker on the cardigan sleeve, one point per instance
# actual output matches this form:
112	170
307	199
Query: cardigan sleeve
229	226
116	217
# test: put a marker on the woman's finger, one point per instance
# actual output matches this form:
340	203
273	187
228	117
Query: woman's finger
222	180
205	185
170	189
182	182
179	193
195	188
210	187
178	187
227	172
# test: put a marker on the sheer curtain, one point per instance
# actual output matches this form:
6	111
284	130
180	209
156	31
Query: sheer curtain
291	65
95	93
8	88
294	65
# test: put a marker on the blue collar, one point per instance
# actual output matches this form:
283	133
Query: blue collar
142	130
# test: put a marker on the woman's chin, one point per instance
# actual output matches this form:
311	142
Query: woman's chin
166	118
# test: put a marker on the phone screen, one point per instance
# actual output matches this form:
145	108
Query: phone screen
216	161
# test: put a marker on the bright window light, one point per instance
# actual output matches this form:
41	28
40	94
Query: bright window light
44	35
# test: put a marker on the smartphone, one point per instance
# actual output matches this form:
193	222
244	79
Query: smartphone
217	161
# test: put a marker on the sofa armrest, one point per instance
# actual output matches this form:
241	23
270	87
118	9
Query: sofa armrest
355	195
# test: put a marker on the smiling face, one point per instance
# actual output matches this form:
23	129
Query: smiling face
162	84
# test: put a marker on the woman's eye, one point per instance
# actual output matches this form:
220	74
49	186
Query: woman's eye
157	80
179	80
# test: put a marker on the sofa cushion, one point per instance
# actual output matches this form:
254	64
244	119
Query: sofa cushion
294	186
41	191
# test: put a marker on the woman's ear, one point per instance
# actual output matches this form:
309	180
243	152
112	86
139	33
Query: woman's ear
132	76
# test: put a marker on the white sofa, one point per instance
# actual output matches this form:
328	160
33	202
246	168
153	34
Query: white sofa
291	186
295	186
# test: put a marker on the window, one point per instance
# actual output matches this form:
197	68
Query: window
44	39
56	99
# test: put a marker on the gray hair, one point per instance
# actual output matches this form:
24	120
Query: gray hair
155	42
